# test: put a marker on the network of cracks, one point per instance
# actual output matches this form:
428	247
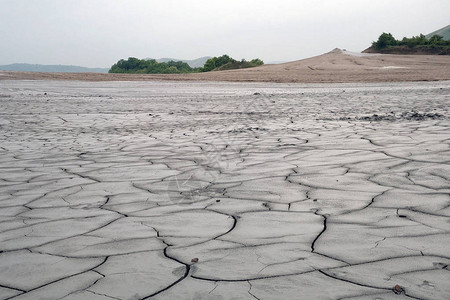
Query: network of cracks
223	191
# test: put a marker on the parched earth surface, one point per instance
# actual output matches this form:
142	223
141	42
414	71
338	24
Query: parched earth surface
175	190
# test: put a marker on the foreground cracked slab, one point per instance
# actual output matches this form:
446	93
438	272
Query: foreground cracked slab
179	190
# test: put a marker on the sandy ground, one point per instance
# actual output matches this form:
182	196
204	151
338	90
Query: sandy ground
191	190
335	66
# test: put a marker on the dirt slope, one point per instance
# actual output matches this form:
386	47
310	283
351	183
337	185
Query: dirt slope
334	66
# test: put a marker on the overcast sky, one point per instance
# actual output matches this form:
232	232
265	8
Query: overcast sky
97	33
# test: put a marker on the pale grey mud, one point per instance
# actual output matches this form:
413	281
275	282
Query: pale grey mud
156	190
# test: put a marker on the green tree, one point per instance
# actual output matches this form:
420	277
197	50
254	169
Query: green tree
385	40
257	62
436	40
209	65
182	67
216	62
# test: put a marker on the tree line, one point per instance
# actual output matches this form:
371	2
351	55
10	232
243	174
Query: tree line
386	40
150	66
225	62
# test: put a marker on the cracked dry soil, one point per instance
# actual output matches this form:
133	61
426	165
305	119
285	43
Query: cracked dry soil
175	190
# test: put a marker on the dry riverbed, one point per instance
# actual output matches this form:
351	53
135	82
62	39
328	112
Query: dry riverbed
195	190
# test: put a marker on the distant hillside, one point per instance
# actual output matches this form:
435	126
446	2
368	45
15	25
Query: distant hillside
444	32
51	68
193	63
335	66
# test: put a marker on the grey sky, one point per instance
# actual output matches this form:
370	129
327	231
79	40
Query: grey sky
97	33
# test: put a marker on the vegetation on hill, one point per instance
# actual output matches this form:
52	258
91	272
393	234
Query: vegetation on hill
225	62
387	40
150	66
386	43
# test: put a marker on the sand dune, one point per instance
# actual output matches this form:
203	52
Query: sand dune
335	66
